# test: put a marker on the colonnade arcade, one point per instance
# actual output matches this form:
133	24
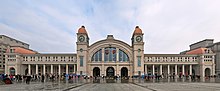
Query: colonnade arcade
168	69
58	69
171	69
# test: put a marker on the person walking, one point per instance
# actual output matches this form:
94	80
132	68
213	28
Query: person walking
42	80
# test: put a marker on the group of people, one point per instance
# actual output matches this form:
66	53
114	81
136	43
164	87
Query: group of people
42	78
20	78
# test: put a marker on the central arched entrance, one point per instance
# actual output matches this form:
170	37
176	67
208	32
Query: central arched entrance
207	72
124	72
96	72
110	72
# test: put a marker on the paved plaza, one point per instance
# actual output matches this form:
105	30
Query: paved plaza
183	86
117	85
110	87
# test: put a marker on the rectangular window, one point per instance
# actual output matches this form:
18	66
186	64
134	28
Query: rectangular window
81	60
11	51
139	61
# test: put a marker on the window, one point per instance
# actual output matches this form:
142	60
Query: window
110	54
139	61
123	56
97	56
81	60
11	50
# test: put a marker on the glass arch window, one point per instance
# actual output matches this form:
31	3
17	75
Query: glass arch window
110	54
97	56
123	57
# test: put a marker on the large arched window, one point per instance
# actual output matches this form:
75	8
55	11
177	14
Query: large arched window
123	57
110	54
97	56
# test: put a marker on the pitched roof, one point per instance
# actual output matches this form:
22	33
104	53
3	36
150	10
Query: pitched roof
21	50
197	51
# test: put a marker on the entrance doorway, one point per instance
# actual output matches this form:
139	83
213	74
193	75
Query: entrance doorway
207	72
12	71
124	72
110	72
96	72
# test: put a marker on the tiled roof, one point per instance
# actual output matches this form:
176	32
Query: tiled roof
197	51
21	50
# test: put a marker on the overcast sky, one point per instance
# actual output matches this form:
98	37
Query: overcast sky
169	26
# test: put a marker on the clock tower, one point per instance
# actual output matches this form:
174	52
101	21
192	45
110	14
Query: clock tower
138	51
82	51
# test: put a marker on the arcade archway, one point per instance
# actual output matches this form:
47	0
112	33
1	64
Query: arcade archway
12	71
110	72
124	72
207	72
96	72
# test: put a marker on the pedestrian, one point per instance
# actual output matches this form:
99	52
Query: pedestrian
42	80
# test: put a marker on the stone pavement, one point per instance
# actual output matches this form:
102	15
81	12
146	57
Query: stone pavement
117	85
38	86
110	87
183	86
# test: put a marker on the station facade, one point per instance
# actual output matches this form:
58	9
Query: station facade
110	57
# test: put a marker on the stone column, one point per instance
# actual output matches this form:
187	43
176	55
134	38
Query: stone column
190	69
103	54
153	69
117	59
168	69
44	69
183	69
117	54
29	69
161	69
145	68
36	69
103	60
213	69
175	70
103	70
117	70
67	69
213	66
51	69
75	68
59	69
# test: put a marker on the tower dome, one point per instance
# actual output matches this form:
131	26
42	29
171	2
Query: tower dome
137	30
82	30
